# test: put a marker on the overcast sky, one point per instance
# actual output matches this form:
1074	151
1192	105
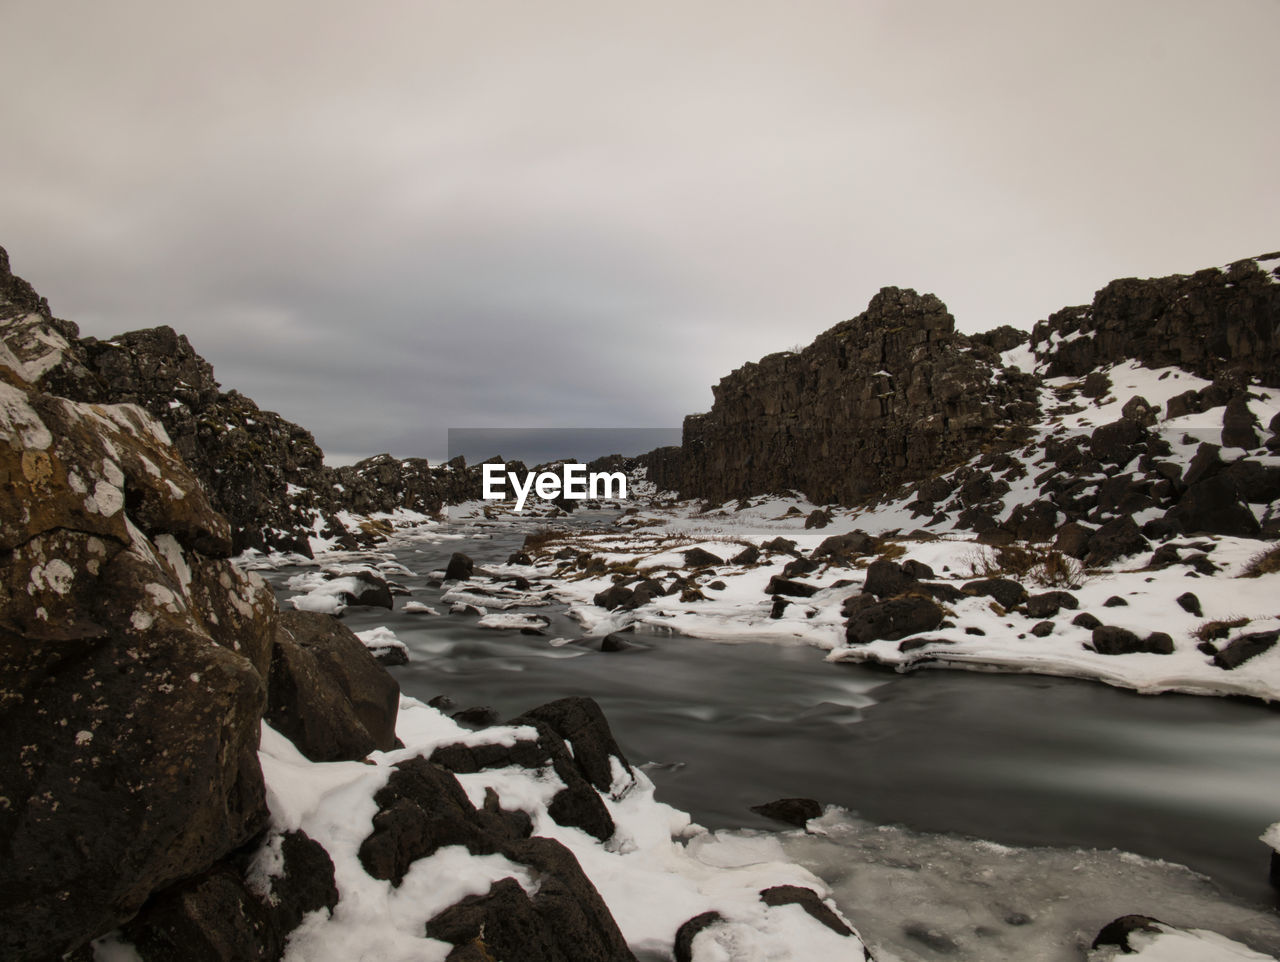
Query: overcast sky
385	220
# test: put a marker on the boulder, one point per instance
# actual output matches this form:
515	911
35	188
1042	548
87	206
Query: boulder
1114	540
1239	424
886	579
701	558
747	556
460	567
844	547
1241	649
782	586
1008	593
1049	603
893	620
327	693
1110	640
1212	506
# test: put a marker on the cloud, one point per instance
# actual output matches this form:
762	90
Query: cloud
386	223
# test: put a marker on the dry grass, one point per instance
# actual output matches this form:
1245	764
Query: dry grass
1264	563
889	550
1036	563
537	541
1217	630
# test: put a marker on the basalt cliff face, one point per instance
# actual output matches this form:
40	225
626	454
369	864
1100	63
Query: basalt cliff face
1215	323
881	399
264	473
896	395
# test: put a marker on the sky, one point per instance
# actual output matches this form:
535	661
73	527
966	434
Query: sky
386	220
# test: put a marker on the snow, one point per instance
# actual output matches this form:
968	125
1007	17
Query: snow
655	873
382	639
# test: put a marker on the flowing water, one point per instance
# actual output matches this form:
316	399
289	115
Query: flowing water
1016	759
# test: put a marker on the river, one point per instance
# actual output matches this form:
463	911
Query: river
1016	759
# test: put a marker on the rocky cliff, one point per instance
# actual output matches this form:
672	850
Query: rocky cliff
897	395
1216	322
887	397
263	472
138	666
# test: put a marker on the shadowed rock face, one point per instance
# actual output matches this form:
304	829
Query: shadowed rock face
1213	322
131	654
892	395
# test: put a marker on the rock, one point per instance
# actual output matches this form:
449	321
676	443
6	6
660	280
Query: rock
220	915
1238	424
613	597
801	566
1073	540
1212	506
817	519
1110	640
1115	601
580	722
371	591
1086	621
1211	322
519	558
810	901
1096	385
844	547
886	579
782	586
780	545
1117	933
893	620
1255	483
1188	402
701	558
476	717
1241	649
779	606
1042	629
1114	540
420	809
747	556
891	396
326	692
1008	593
1049	603
1116	443
157	775
1205	463
566	919
615	641
792	811
917	570
1189	603
460	567
1139	410
689	930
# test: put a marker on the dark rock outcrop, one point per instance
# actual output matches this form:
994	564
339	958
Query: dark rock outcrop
896	392
1212	322
131	696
